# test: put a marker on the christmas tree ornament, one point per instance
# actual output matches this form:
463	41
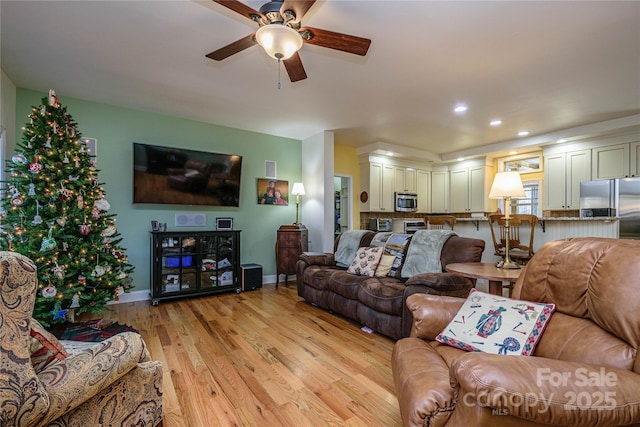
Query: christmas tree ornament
53	99
17	199
19	159
49	291
61	221
95	212
80	201
110	230
74	178
48	143
37	219
84	228
48	243
65	159
32	189
59	313
43	110
75	301
63	193
76	161
82	280
54	127
102	203
58	271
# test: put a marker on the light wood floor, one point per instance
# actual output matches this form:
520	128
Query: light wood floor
265	358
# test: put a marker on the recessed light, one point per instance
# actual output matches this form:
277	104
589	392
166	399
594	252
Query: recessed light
460	159
460	108
512	153
389	153
496	122
561	140
523	133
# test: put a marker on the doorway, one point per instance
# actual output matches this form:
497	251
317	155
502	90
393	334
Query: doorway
342	212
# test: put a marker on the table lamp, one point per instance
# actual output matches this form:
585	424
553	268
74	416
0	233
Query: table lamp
505	186
297	190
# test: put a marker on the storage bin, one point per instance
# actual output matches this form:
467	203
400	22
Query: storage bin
174	261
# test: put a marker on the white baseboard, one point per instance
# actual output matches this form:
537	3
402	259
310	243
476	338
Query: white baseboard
134	296
145	294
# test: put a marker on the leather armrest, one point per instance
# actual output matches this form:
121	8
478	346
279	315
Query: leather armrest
431	313
74	380
548	391
326	259
441	283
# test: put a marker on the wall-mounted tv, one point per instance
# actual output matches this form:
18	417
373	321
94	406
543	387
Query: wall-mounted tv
178	176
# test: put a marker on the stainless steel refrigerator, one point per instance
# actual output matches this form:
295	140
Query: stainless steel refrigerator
628	195
613	197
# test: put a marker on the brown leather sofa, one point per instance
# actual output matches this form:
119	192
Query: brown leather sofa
585	370
379	302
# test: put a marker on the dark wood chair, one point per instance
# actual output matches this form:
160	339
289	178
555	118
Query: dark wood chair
440	222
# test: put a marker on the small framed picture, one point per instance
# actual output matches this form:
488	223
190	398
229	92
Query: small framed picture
155	226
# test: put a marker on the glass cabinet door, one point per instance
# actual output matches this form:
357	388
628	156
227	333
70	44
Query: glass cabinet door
216	261
178	264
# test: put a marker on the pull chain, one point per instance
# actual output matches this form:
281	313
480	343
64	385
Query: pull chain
279	69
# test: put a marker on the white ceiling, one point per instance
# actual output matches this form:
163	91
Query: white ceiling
542	66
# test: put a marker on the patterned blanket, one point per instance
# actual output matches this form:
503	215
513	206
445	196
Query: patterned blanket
348	246
91	331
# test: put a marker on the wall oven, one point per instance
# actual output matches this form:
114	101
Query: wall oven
405	202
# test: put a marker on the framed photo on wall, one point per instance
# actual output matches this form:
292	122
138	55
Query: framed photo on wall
273	192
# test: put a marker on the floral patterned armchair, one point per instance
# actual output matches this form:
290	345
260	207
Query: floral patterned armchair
113	382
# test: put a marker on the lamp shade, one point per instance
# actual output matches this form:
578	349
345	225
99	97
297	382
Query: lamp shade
507	184
298	189
279	41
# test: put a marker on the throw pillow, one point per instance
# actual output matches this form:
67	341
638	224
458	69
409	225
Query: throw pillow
395	244
384	266
498	325
365	261
44	347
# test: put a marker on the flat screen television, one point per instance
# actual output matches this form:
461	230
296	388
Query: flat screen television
178	176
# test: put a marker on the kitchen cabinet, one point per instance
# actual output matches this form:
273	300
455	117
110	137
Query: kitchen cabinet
563	173
615	161
378	180
469	189
194	263
423	190
439	191
634	163
405	180
610	162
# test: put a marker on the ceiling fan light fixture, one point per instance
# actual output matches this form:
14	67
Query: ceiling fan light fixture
279	41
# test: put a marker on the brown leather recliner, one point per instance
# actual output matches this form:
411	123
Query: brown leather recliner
585	370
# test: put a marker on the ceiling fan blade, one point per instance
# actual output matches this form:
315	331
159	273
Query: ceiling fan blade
240	8
337	41
233	48
294	68
299	7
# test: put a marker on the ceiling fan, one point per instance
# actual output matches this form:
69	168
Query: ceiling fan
281	34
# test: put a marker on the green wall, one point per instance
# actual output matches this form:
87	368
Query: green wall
116	128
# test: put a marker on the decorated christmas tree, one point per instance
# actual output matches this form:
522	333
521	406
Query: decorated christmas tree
55	212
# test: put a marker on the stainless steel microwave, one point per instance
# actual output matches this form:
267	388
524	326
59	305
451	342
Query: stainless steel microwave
405	202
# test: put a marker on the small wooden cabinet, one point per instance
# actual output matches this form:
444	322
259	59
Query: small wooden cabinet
291	241
194	263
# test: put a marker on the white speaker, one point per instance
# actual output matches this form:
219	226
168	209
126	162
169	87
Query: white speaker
270	169
191	220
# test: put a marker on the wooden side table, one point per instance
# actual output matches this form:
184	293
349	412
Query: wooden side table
291	241
488	271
